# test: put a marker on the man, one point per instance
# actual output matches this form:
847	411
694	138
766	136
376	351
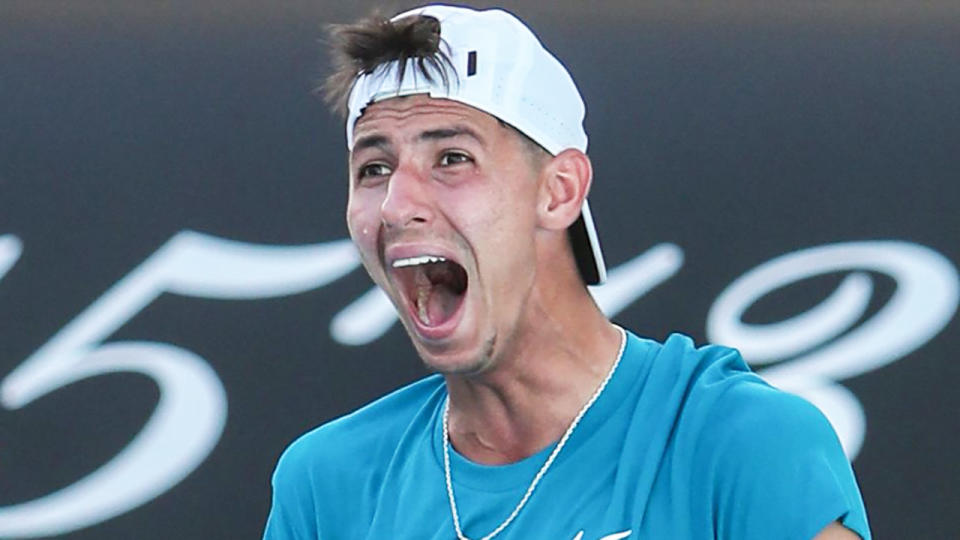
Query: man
467	203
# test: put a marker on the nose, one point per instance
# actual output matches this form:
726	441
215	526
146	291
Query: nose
407	202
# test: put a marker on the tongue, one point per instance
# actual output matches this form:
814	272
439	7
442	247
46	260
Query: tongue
442	304
436	300
436	304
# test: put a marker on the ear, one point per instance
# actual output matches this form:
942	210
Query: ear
565	183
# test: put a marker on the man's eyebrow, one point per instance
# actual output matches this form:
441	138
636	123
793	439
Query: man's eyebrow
370	141
447	133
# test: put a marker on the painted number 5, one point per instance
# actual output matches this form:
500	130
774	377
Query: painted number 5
190	414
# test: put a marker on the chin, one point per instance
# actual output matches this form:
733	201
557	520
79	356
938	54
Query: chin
454	362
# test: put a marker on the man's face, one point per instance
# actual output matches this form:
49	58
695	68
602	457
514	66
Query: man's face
442	209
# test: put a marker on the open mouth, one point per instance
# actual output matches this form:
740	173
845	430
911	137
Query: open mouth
434	287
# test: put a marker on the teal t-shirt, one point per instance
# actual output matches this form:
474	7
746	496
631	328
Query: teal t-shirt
684	443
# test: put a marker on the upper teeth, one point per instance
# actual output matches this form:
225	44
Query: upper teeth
413	261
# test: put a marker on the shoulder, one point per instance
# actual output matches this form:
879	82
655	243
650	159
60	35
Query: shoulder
692	375
778	467
681	354
343	454
350	441
330	471
775	466
734	416
725	398
770	460
736	412
753	424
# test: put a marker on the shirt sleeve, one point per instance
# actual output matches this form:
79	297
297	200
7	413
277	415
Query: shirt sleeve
781	472
292	511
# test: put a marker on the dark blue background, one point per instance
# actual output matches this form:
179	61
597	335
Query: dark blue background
739	133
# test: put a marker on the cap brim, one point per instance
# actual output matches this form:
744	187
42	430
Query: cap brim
586	248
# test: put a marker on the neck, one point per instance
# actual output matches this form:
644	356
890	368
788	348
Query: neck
542	378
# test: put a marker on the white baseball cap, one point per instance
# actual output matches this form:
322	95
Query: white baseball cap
501	68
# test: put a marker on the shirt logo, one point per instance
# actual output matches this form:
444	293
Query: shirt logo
614	536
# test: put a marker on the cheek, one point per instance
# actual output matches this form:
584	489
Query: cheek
500	229
363	225
363	221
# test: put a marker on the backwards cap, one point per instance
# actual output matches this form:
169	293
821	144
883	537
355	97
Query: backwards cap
501	68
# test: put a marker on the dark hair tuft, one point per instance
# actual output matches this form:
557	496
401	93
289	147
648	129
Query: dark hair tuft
374	41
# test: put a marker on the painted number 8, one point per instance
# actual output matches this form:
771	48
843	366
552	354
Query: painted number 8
923	303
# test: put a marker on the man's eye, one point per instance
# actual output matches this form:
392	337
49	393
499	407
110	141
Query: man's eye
374	169
453	158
